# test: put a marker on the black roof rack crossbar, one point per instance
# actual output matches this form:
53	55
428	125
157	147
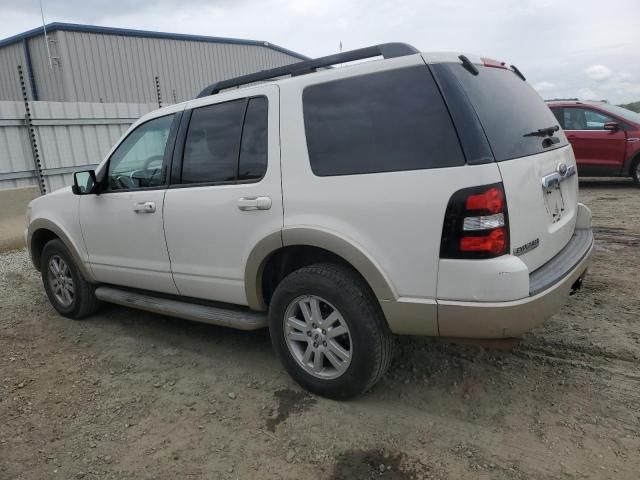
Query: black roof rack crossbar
385	50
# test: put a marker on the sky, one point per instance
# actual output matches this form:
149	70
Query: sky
588	49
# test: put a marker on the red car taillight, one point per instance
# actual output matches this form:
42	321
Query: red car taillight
476	223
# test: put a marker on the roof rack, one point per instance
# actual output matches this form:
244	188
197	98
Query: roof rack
385	50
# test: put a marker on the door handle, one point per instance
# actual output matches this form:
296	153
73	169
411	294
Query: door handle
144	207
254	203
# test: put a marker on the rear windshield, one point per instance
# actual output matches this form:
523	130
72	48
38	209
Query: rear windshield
508	108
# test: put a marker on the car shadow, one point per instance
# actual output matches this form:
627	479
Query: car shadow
184	335
422	367
607	183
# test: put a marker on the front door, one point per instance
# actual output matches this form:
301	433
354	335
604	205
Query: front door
597	150
227	194
122	227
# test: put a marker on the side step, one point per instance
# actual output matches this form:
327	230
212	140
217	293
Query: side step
239	319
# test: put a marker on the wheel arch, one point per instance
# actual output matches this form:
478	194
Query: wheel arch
632	163
40	232
325	245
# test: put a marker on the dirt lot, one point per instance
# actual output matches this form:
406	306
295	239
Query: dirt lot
133	395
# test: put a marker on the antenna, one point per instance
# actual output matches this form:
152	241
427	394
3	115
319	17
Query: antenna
46	39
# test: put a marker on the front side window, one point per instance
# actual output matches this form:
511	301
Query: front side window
596	120
139	161
381	122
584	119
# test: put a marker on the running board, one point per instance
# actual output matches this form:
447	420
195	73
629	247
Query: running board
239	319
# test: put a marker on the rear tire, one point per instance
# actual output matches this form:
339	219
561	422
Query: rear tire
635	171
68	291
351	339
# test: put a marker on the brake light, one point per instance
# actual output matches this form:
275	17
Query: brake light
490	62
476	223
491	200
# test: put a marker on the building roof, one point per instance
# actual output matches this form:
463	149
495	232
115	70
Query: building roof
127	32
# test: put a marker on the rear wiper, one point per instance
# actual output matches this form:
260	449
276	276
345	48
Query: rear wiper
543	132
518	72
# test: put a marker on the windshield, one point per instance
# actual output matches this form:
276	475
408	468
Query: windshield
515	120
621	112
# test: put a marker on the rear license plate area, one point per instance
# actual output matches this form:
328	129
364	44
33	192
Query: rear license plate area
554	202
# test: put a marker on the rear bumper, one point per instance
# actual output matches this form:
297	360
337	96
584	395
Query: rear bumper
550	287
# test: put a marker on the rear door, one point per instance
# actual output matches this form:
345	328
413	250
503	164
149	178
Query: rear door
597	150
541	218
225	194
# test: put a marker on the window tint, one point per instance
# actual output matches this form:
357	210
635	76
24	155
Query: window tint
584	119
138	161
380	122
253	150
212	143
507	107
596	120
559	114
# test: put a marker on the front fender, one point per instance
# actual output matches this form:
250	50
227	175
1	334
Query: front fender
77	251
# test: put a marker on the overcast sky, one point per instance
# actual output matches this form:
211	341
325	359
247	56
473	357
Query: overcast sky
583	48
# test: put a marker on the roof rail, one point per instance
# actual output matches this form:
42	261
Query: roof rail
385	50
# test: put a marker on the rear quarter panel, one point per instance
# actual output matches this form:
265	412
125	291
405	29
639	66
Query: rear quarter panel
395	218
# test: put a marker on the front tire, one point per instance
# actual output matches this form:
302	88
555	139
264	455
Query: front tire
635	171
68	291
329	331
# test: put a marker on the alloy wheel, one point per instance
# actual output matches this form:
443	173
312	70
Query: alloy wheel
318	337
60	281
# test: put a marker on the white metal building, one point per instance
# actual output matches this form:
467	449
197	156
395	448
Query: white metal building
87	63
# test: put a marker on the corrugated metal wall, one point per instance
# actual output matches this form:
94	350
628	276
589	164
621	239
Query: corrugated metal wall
50	81
10	57
15	149
69	136
116	68
98	67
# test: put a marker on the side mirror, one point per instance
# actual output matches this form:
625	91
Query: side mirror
612	126
84	183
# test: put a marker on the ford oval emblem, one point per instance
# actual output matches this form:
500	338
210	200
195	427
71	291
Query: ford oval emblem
562	169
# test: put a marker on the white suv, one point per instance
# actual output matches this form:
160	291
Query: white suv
419	194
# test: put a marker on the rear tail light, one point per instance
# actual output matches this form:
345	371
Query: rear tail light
476	223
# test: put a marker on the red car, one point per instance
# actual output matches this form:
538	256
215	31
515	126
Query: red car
605	138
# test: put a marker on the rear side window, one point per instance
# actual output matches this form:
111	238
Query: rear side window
226	142
559	114
213	140
253	150
508	109
381	122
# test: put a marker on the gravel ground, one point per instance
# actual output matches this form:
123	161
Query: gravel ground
128	394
